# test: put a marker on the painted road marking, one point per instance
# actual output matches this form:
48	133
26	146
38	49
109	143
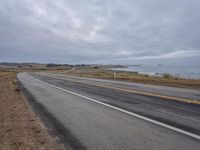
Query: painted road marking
145	85
138	92
125	111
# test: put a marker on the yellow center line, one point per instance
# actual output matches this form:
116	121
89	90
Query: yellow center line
140	92
144	93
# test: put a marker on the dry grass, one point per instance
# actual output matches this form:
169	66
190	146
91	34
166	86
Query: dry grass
19	127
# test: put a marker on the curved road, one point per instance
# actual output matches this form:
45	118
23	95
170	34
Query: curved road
109	115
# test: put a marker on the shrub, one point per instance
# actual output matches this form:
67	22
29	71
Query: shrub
95	67
167	75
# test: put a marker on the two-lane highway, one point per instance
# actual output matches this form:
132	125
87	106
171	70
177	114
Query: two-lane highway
103	114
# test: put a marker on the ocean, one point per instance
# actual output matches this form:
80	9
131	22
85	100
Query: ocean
189	72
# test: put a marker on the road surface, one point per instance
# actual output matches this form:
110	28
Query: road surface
111	115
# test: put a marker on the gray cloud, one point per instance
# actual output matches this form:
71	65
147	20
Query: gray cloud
93	31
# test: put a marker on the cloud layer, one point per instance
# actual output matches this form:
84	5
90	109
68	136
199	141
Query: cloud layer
98	31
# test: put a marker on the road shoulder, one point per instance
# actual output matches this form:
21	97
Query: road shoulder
20	128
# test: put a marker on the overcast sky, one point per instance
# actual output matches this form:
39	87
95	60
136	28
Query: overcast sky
99	31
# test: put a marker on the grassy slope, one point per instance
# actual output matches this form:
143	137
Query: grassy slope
133	77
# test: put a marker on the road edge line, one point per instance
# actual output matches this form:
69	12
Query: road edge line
127	112
166	97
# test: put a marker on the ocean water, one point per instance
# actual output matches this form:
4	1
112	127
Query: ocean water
189	72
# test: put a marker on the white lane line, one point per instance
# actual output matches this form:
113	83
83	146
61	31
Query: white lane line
131	84
125	111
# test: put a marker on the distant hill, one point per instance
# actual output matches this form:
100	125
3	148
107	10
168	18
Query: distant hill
8	64
54	65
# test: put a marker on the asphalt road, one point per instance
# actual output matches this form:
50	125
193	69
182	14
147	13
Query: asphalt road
109	115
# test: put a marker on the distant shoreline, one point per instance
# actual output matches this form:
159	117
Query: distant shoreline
159	70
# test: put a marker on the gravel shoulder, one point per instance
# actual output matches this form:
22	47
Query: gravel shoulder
20	128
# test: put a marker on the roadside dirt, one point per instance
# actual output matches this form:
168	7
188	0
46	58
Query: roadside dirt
20	129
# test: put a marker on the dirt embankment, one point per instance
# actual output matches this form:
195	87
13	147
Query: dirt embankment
19	127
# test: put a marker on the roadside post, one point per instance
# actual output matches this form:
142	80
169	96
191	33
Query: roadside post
114	75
